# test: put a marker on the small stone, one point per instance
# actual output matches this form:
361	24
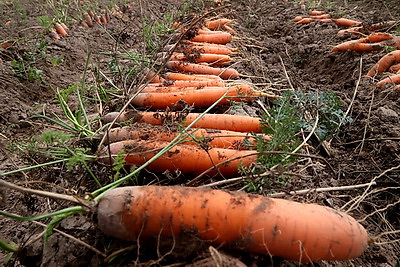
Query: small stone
387	114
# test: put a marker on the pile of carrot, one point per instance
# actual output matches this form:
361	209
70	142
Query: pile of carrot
198	78
90	19
375	40
59	30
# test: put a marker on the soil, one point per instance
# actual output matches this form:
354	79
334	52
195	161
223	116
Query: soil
273	49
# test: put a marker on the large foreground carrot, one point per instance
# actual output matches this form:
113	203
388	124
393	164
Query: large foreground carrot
196	98
188	159
384	63
238	123
211	137
254	223
224	73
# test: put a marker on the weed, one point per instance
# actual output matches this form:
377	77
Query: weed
25	65
154	31
55	61
293	112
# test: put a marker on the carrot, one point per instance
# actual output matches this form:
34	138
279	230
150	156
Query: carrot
353	30
213	138
88	19
394	42
53	34
219	37
206	48
188	83
319	17
65	27
324	20
188	159
298	18
224	73
305	21
103	19
229	30
394	68
97	19
6	44
60	29
197	98
382	25
391	79
190	77
248	222
357	46
378	37
218	23
316	13
84	24
152	77
212	59
384	63
228	122
346	22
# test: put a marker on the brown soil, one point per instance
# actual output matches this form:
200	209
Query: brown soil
272	46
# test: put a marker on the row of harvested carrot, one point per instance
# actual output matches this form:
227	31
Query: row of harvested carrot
220	145
200	83
89	19
374	41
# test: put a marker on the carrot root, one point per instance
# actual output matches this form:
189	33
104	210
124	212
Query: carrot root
254	223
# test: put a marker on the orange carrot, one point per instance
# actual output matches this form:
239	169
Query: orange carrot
384	63
224	73
249	222
53	34
228	122
212	59
316	13
188	159
219	37
103	19
378	37
197	98
194	84
357	46
6	45
391	79
88	19
218	23
213	138
382	25
190	77
60	29
229	30
207	48
353	30
152	77
346	22
324	20
84	24
394	42
64	26
305	21
394	68
319	17
298	18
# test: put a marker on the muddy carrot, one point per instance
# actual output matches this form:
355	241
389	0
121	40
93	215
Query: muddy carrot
53	34
305	21
391	79
217	24
60	29
197	98
394	68
188	159
378	37
249	222
224	73
346	22
190	77
212	59
228	122
384	63
316	12
194	83
152	77
357	47
210	137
